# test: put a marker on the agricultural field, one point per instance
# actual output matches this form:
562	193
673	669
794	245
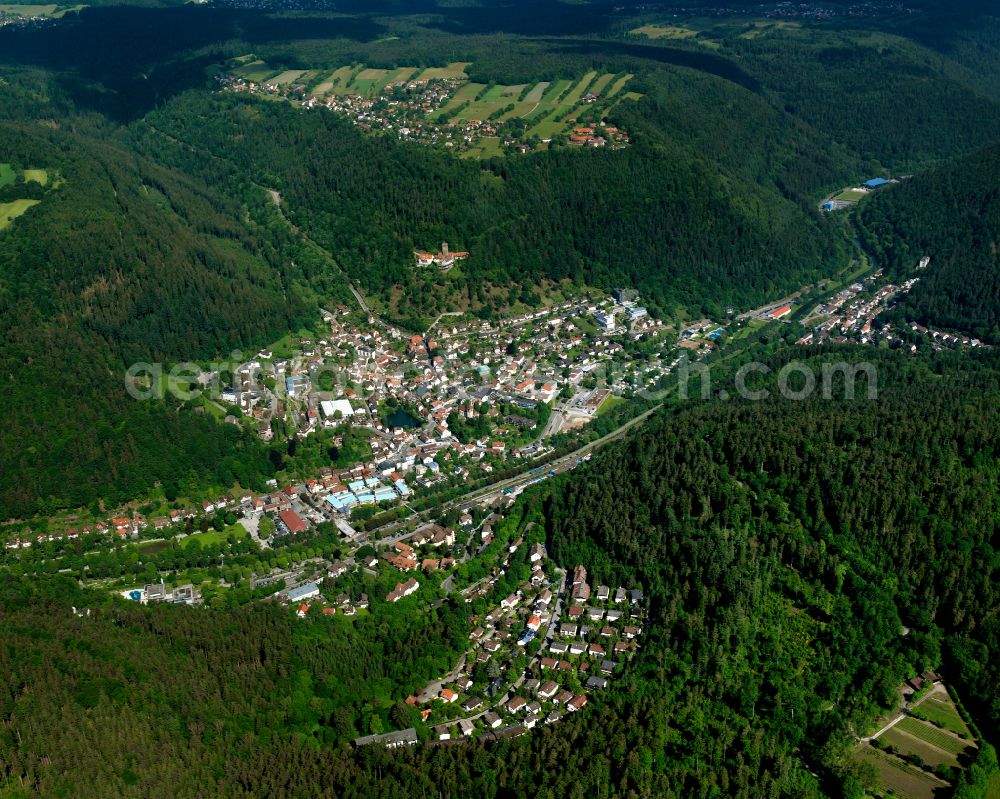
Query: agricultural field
940	711
51	10
257	71
908	782
453	70
939	739
334	83
287	77
12	210
912	743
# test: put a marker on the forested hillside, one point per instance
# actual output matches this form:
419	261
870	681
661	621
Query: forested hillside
655	215
783	546
123	261
952	215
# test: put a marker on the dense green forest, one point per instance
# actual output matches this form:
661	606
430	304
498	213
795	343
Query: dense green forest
124	261
952	215
783	546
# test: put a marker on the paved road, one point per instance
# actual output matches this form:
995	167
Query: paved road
938	688
390	531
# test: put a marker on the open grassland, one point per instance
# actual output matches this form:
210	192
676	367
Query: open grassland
7	175
12	210
665	32
908	782
215	536
37	175
940	710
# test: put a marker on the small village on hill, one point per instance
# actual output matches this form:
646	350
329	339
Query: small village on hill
443	107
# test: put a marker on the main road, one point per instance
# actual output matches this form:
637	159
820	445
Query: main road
389	531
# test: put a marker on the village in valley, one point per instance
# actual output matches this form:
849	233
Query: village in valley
428	439
467	403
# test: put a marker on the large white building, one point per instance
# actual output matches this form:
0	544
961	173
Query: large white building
330	408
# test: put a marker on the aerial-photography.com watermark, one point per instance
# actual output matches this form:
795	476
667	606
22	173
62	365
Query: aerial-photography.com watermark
686	379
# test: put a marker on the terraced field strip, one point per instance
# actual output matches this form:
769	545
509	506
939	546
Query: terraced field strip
578	91
904	742
342	80
555	90
401	75
928	732
456	69
942	711
535	95
256	71
369	82
287	77
597	87
465	94
909	782
619	84
548	127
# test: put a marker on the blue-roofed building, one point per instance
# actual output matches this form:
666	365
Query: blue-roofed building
402	488
305	591
383	494
366	498
875	183
356	486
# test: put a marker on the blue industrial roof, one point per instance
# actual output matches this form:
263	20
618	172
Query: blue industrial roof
875	182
